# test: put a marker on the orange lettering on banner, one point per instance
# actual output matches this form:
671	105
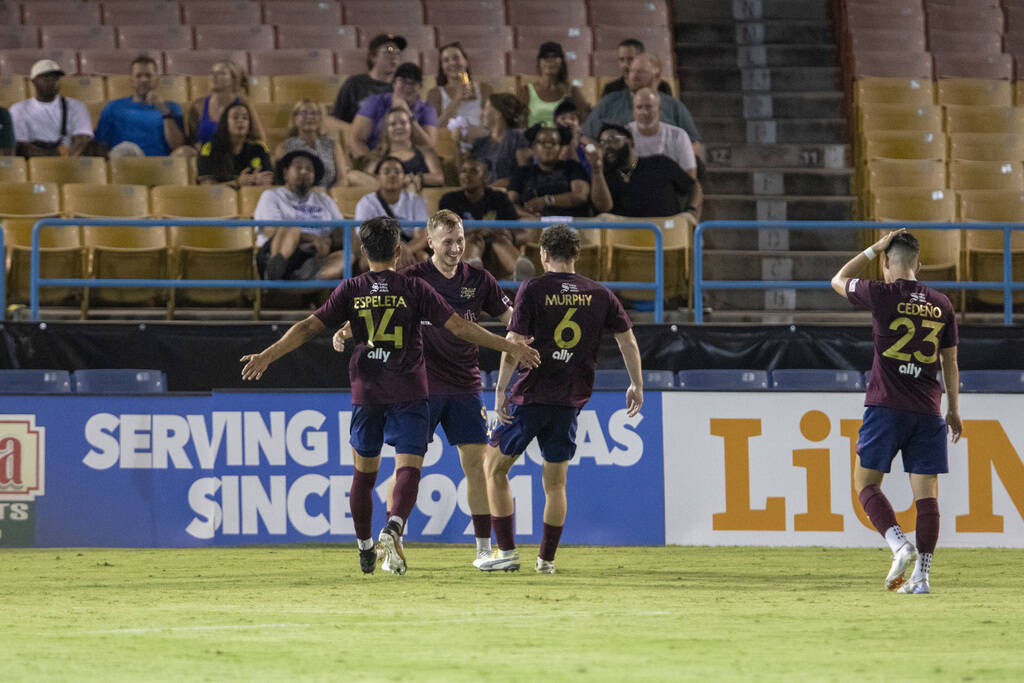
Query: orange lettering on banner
906	519
815	426
988	448
738	515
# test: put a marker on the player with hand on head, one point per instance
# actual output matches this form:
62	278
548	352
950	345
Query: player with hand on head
566	314
388	377
915	333
453	373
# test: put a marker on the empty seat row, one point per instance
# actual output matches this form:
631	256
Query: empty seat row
89	381
971	92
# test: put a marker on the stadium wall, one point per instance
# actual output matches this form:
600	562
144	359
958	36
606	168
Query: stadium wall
232	468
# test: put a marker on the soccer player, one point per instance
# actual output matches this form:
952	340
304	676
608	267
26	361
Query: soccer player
565	314
914	332
453	374
388	376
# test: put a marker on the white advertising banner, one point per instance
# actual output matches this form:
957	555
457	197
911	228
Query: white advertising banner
776	469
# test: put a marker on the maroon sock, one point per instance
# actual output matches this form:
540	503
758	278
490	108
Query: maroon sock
549	541
360	500
482	526
407	486
927	525
877	506
504	531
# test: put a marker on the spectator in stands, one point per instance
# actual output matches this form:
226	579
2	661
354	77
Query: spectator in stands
383	55
628	50
405	94
307	133
7	142
456	94
549	186
236	155
299	253
543	95
420	163
627	185
144	118
393	200
228	84
505	147
50	124
475	201
617	107
567	118
652	136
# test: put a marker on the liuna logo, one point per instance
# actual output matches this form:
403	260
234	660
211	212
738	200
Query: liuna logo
22	458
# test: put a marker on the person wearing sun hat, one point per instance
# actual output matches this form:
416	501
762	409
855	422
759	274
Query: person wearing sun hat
50	124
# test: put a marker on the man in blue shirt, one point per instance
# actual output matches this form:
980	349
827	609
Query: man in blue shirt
144	118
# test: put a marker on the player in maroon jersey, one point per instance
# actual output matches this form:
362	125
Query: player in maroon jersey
388	377
915	335
566	315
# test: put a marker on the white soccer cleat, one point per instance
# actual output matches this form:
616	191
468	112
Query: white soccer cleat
915	587
503	561
389	548
901	559
545	566
484	555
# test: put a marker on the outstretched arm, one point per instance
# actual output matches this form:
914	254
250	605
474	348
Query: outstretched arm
475	334
505	370
631	357
297	335
857	263
951	378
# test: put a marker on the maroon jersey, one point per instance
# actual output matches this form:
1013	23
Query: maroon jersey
385	310
911	322
452	363
566	314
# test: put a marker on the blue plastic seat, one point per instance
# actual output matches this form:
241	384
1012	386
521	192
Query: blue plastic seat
35	382
485	380
611	380
492	379
119	381
659	379
723	380
992	381
816	380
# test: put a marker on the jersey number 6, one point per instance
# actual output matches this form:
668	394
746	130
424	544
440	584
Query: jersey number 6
574	331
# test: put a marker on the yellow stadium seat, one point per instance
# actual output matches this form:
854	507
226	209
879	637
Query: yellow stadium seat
985	175
898	144
999	119
274	137
111	200
894	91
445	145
84	88
259	89
290	89
974	92
874	117
62	170
985	247
274	114
432	195
923	173
347	198
940	249
630	255
13	170
171	88
248	197
12	89
149	171
986	147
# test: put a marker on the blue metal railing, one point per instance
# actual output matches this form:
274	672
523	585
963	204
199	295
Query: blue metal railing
657	285
1007	285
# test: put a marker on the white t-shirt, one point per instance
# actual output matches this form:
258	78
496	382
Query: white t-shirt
670	140
35	120
410	207
281	205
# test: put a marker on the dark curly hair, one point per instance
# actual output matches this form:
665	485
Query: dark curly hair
564	134
561	242
380	237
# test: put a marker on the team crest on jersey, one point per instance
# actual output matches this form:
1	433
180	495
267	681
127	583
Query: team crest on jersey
468	292
918	297
379	288
569	287
22	458
853	284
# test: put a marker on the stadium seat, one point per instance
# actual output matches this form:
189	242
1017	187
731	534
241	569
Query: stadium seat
290	89
973	65
875	117
657	39
34	381
248	198
921	173
563	12
496	38
892	64
280	12
992	381
19	61
13	170
629	13
79	35
149	171
56	12
235	12
659	379
133	13
322	36
170	88
986	147
284	62
154	37
985	247
62	170
816	380
12	89
722	380
432	196
102	62
119	381
350	61
977	42
965	17
84	88
894	91
398	12
974	92
630	255
576	39
914	204
982	119
882	40
610	380
15	36
277	114
466	12
239	37
985	175
420	37
899	144
195	62
347	198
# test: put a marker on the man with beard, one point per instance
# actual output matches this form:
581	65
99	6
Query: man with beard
627	185
50	124
299	253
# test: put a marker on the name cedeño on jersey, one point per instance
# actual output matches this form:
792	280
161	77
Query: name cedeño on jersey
925	310
379	301
565	299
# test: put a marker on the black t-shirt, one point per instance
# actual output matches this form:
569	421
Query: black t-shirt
495	206
620	84
254	155
353	91
531	181
656	187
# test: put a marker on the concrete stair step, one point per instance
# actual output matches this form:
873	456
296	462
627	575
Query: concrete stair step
815	131
782	105
780	181
755	32
779	79
848	242
723	55
722	10
729	264
788	207
752	155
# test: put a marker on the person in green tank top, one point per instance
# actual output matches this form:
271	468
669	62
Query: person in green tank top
544	94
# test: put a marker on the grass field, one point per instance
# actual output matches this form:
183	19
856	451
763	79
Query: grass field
637	614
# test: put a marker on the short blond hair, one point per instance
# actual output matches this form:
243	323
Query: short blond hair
444	219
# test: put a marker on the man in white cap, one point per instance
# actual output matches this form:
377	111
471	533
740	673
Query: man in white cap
50	124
